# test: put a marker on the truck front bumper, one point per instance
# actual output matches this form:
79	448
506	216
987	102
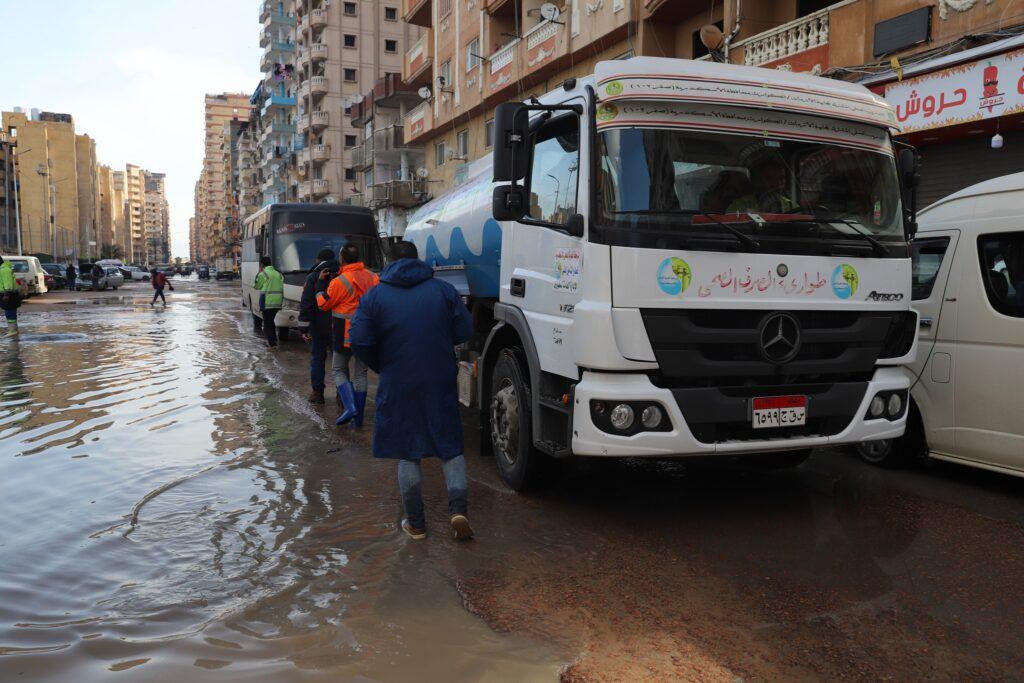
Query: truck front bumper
678	439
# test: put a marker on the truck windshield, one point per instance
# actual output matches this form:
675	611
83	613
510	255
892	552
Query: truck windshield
672	188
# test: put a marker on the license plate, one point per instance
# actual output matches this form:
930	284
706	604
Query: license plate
779	411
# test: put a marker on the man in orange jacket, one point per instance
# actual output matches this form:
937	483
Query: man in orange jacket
341	297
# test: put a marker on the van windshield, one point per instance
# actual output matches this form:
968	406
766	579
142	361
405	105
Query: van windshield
671	184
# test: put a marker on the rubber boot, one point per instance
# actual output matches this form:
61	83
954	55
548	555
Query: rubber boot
348	399
360	408
12	328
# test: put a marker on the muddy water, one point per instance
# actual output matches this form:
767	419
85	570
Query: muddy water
173	508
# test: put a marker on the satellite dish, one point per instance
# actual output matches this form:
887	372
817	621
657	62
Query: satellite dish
421	172
425	92
549	11
711	36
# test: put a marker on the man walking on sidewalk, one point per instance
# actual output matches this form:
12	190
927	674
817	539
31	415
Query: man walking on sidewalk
71	275
159	281
406	330
270	284
318	336
341	297
10	297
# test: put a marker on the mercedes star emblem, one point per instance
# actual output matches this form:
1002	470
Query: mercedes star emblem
780	338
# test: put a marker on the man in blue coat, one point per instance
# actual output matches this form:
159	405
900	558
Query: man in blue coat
406	330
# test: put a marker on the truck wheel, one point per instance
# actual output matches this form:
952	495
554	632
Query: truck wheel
895	453
519	463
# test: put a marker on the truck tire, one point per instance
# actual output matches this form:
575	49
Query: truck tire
895	453
519	463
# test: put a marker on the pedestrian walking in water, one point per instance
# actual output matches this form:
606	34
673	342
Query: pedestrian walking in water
71	275
341	296
406	330
10	296
159	281
270	284
318	335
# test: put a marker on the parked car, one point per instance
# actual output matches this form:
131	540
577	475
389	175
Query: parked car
204	272
58	274
114	277
135	273
968	288
87	279
29	273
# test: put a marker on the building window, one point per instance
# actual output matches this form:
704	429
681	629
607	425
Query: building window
472	54
489	133
350	140
1002	271
350	76
348	110
462	144
350	173
445	74
439	154
390	14
349	40
390	46
926	259
350	9
445	8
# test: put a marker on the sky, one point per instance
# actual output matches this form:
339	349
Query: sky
133	74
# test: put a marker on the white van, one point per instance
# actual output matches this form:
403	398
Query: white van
968	287
29	273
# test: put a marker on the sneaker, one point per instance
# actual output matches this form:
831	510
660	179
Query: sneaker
463	532
413	532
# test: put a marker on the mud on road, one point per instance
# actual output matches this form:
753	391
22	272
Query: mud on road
175	508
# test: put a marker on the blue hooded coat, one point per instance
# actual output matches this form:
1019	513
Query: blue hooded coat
406	330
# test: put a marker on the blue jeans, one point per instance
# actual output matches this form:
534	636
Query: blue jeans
318	348
410	479
159	293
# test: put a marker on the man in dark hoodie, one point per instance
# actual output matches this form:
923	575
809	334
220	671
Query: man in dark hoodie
406	330
318	336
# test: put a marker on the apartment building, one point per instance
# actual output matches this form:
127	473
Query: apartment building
156	218
248	159
135	199
343	48
86	172
193	241
9	223
476	54
212	202
119	214
47	180
275	100
387	167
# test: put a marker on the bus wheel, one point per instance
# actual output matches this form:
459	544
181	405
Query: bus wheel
519	463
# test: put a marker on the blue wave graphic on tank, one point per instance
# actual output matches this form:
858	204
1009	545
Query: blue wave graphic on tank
483	269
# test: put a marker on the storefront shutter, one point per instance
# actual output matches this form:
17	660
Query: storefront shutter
950	166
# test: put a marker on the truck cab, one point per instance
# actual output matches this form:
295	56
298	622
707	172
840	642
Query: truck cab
685	259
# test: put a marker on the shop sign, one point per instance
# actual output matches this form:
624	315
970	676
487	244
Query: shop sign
970	92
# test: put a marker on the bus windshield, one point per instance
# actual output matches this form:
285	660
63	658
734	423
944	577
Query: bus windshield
299	236
681	183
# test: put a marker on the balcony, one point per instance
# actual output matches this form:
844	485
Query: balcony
318	51
303	156
805	33
359	156
304	24
278	100
318	85
303	123
321	153
319	120
418	121
265	36
265	10
400	193
280	46
544	42
501	66
278	18
417	12
306	190
321	187
303	59
419	60
318	18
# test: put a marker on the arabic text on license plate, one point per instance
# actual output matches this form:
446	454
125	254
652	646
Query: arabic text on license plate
779	411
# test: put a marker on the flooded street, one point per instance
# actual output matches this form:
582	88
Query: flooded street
175	510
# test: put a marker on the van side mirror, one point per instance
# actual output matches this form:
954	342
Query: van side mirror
511	133
508	203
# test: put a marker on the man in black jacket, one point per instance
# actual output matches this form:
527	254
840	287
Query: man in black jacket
319	333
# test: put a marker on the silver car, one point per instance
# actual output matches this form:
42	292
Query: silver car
114	277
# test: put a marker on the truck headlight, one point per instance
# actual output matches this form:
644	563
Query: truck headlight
895	405
877	407
622	417
651	417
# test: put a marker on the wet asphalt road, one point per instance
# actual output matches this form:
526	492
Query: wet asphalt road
174	508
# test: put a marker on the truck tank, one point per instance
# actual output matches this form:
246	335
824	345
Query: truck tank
457	235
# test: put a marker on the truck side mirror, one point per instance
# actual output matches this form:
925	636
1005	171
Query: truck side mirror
511	134
909	162
508	203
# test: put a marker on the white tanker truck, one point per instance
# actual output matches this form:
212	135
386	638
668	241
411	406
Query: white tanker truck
679	258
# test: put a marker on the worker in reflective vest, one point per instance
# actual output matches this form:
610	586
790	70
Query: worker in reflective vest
270	283
341	297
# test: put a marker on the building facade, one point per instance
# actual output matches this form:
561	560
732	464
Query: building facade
156	219
87	174
10	228
476	54
274	100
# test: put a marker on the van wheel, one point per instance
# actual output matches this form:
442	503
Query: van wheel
895	453
519	463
